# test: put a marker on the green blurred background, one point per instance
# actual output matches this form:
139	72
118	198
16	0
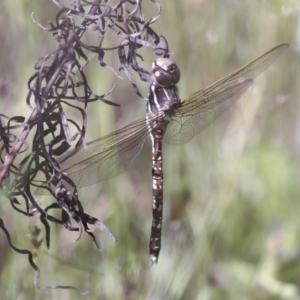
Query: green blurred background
231	196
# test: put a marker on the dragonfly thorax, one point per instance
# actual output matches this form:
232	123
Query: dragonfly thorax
163	93
162	99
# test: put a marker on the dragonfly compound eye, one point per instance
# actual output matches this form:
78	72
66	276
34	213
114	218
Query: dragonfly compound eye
165	72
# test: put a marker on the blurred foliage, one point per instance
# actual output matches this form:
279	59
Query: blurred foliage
231	220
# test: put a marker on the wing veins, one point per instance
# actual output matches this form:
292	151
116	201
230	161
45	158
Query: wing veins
215	96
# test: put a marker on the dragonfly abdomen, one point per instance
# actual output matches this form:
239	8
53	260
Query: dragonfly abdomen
157	194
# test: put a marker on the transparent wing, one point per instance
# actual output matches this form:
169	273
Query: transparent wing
203	107
106	157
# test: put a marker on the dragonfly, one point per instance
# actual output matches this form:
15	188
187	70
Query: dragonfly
167	118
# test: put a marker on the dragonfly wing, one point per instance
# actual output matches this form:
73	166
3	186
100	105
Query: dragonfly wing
250	70
204	106
106	157
189	122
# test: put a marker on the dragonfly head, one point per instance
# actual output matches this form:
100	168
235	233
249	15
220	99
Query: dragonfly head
165	72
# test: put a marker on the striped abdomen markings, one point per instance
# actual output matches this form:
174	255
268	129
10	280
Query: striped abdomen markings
157	193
